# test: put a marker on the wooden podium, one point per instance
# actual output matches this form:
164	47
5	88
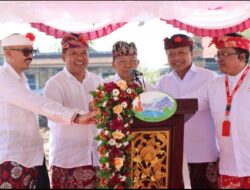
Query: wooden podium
157	149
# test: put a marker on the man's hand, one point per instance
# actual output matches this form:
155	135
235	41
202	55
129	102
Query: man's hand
92	106
88	118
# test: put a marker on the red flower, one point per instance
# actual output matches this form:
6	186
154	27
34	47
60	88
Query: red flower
178	39
30	36
114	152
102	149
99	94
115	180
116	124
103	136
103	181
109	87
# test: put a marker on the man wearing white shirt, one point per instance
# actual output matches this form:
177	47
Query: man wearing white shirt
73	151
124	62
21	145
228	99
200	146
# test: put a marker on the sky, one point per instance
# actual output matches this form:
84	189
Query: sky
147	37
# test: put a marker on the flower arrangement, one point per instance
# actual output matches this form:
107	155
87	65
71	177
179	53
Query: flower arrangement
114	119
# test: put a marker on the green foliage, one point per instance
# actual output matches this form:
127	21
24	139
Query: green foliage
246	33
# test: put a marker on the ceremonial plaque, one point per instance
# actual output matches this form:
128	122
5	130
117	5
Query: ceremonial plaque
153	106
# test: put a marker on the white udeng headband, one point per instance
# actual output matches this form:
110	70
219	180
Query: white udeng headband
16	40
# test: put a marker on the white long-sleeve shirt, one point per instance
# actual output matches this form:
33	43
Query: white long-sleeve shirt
20	140
200	144
72	146
234	150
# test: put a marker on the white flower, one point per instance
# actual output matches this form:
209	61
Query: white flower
112	142
123	178
126	125
119	117
129	90
115	92
115	98
125	144
118	145
106	132
124	104
106	154
104	104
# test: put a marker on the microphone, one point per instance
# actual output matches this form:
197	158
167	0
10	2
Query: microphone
135	73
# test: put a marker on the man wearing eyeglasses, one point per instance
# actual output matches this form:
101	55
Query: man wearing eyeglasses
125	62
73	157
21	145
200	146
228	99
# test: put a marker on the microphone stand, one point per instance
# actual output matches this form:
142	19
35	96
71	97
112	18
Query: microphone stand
136	78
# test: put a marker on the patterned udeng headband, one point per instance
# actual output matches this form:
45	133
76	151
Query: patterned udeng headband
73	40
232	42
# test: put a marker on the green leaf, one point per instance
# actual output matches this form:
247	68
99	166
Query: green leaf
103	160
98	138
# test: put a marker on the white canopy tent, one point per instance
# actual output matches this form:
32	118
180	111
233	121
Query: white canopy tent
208	15
95	17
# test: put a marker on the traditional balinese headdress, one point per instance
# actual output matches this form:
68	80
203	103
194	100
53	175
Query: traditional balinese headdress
18	40
231	41
73	40
177	40
122	48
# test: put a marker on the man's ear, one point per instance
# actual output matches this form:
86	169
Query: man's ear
113	64
7	52
242	57
63	57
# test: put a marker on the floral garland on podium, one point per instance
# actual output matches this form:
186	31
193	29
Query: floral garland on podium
114	119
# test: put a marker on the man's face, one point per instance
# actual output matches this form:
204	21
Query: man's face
77	59
20	57
180	59
228	60
124	64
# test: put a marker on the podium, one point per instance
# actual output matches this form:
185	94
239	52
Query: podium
157	149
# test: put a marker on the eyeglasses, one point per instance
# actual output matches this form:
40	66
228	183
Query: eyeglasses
124	62
223	55
26	51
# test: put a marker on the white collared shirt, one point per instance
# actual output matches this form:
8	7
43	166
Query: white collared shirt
20	140
199	134
72	146
116	78
234	150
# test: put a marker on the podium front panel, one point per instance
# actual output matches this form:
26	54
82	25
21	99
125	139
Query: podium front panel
150	157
